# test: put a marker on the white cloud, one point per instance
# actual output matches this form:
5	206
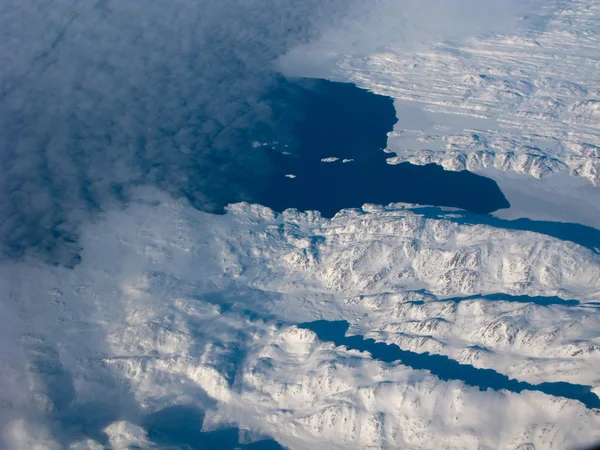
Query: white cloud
22	435
97	97
371	27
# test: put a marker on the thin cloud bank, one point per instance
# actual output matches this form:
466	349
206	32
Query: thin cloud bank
370	27
98	97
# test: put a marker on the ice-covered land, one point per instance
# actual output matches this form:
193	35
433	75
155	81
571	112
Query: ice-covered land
202	309
535	94
510	105
173	307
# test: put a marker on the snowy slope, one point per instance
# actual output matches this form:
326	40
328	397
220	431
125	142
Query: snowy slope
173	306
526	101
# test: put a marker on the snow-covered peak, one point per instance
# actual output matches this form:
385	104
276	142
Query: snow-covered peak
202	309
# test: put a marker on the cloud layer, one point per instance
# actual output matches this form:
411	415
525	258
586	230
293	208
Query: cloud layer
98	97
370	27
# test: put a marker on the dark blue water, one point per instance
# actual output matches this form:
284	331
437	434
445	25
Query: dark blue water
340	120
583	235
174	427
538	299
445	368
180	427
310	119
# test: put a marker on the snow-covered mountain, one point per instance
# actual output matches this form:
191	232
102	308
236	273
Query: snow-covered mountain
528	101
203	309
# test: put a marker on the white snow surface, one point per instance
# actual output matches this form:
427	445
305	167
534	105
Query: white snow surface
174	306
526	101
